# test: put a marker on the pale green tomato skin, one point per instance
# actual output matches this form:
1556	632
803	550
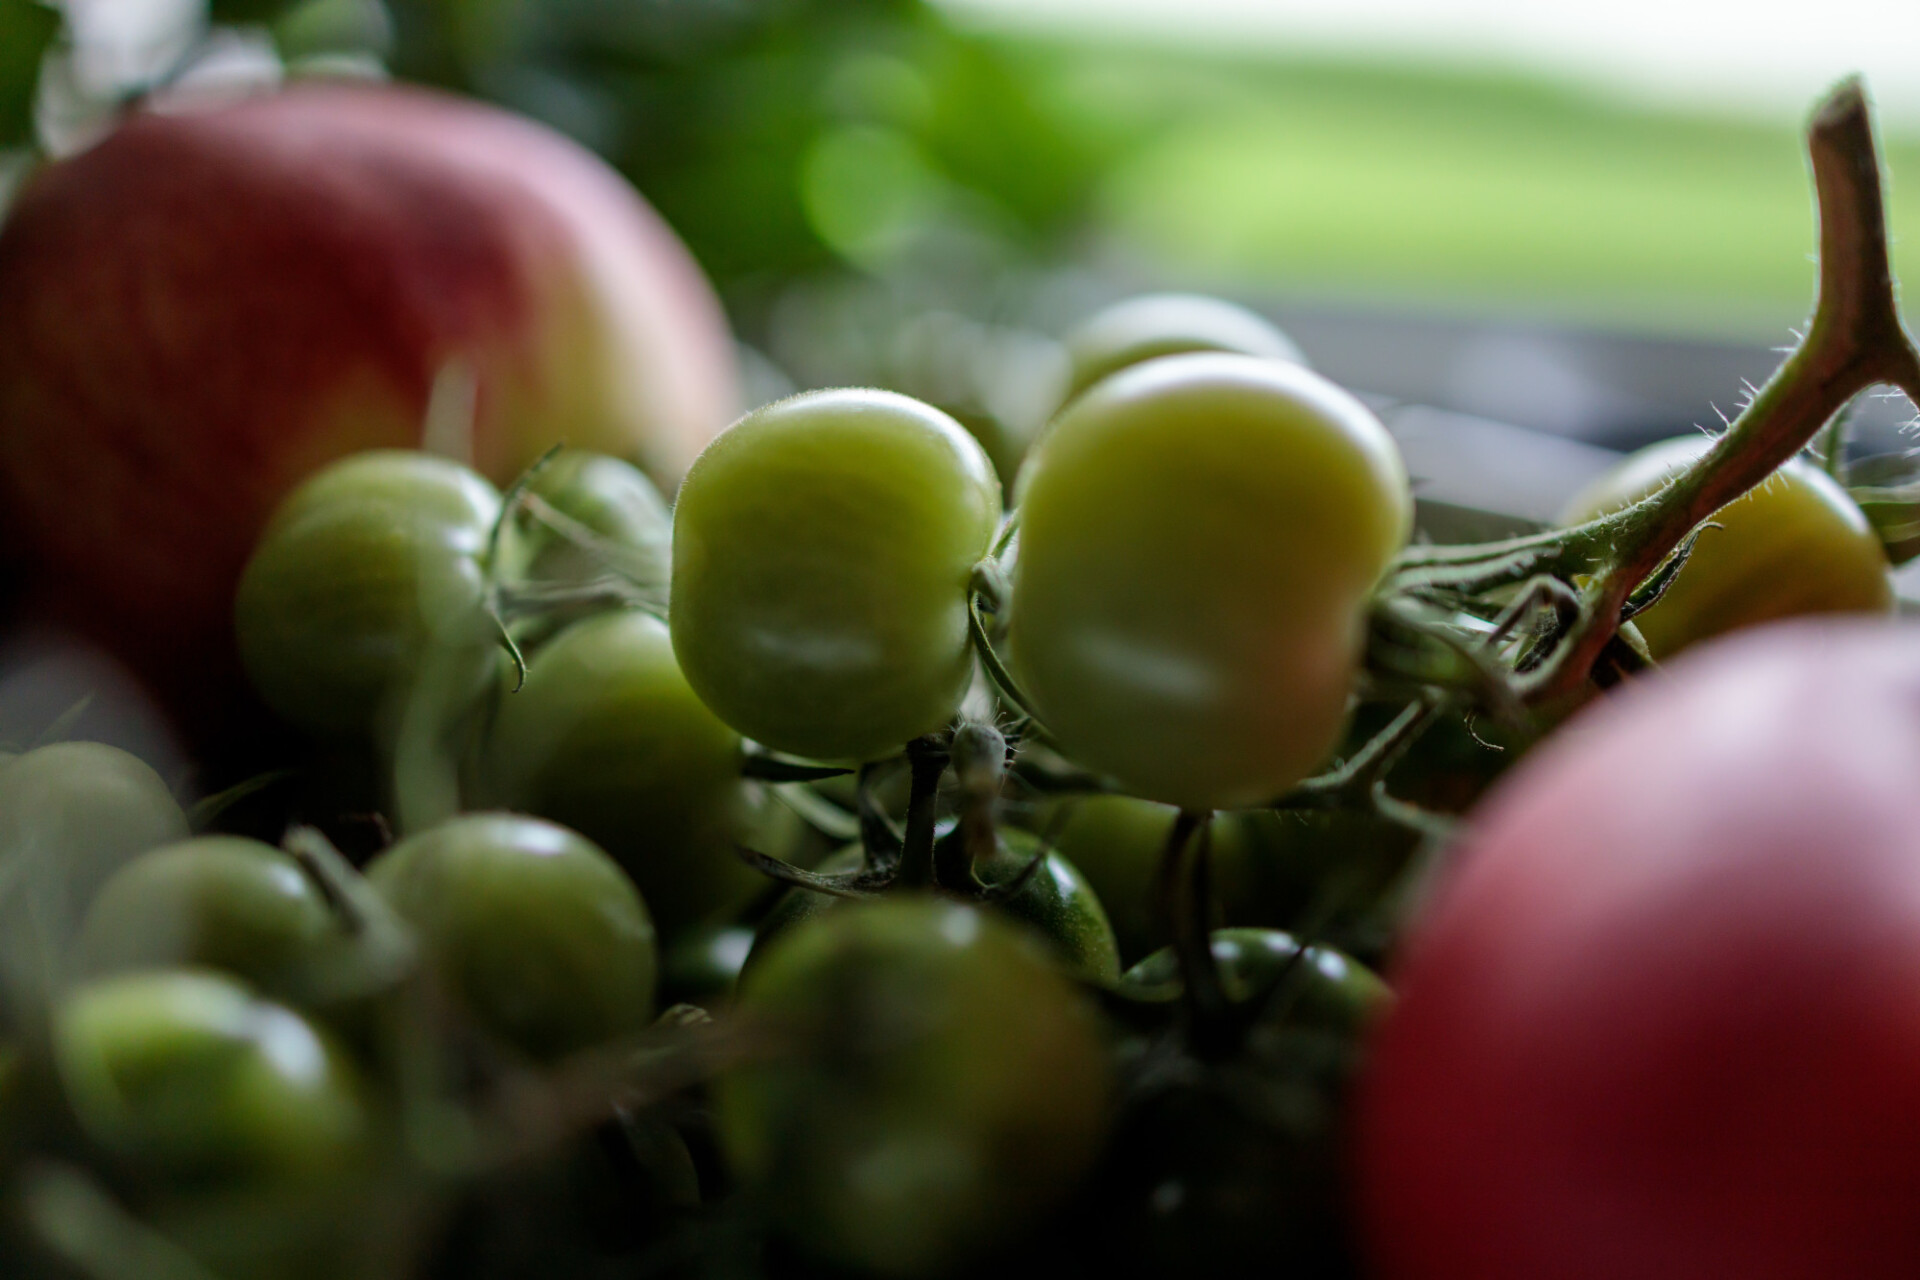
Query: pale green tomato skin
368	580
609	499
218	902
1796	544
607	738
822	548
537	932
1165	324
188	1073
937	1088
1198	541
80	811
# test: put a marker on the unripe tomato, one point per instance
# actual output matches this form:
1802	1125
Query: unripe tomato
1328	989
607	500
80	811
606	737
1197	545
533	928
1055	902
1117	843
368	581
1796	544
935	1087
217	902
1165	324
822	548
1659	1017
188	1074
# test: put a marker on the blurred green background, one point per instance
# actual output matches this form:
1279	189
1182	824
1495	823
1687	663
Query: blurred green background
887	192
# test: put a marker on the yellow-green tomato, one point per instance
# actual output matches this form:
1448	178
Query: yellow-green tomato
1198	541
822	548
931	1086
73	813
1795	544
606	737
218	902
1164	324
188	1074
542	939
368	583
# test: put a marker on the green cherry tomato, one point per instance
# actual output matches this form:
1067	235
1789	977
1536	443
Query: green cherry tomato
366	588
1197	545
935	1086
76	812
1117	843
587	516
1164	324
607	738
1055	902
218	902
533	928
1327	989
189	1074
1796	544
822	548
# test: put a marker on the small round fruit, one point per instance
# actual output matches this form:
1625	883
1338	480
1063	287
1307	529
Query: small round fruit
821	557
1198	542
935	1086
188	1074
1055	902
606	738
1165	324
1796	544
369	581
540	936
1327	988
587	517
217	902
81	810
1657	1017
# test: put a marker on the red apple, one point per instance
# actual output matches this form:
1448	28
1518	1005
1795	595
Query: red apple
211	303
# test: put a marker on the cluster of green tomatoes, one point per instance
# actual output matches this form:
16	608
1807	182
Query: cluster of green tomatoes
842	750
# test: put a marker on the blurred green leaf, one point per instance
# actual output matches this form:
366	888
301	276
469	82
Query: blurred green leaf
27	27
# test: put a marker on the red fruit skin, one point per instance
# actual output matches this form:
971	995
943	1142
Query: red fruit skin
212	303
1662	1016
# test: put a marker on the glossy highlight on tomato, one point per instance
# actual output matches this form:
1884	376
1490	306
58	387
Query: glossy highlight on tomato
1197	543
1796	544
821	557
532	927
369	579
188	1074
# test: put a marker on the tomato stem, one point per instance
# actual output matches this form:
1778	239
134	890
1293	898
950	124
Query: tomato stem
926	762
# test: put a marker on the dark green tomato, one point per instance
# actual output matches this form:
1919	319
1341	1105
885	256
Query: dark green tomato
822	548
1056	902
703	966
367	589
1325	988
1164	324
606	520
607	738
932	1086
218	902
535	930
1117	842
188	1074
1199	542
73	813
